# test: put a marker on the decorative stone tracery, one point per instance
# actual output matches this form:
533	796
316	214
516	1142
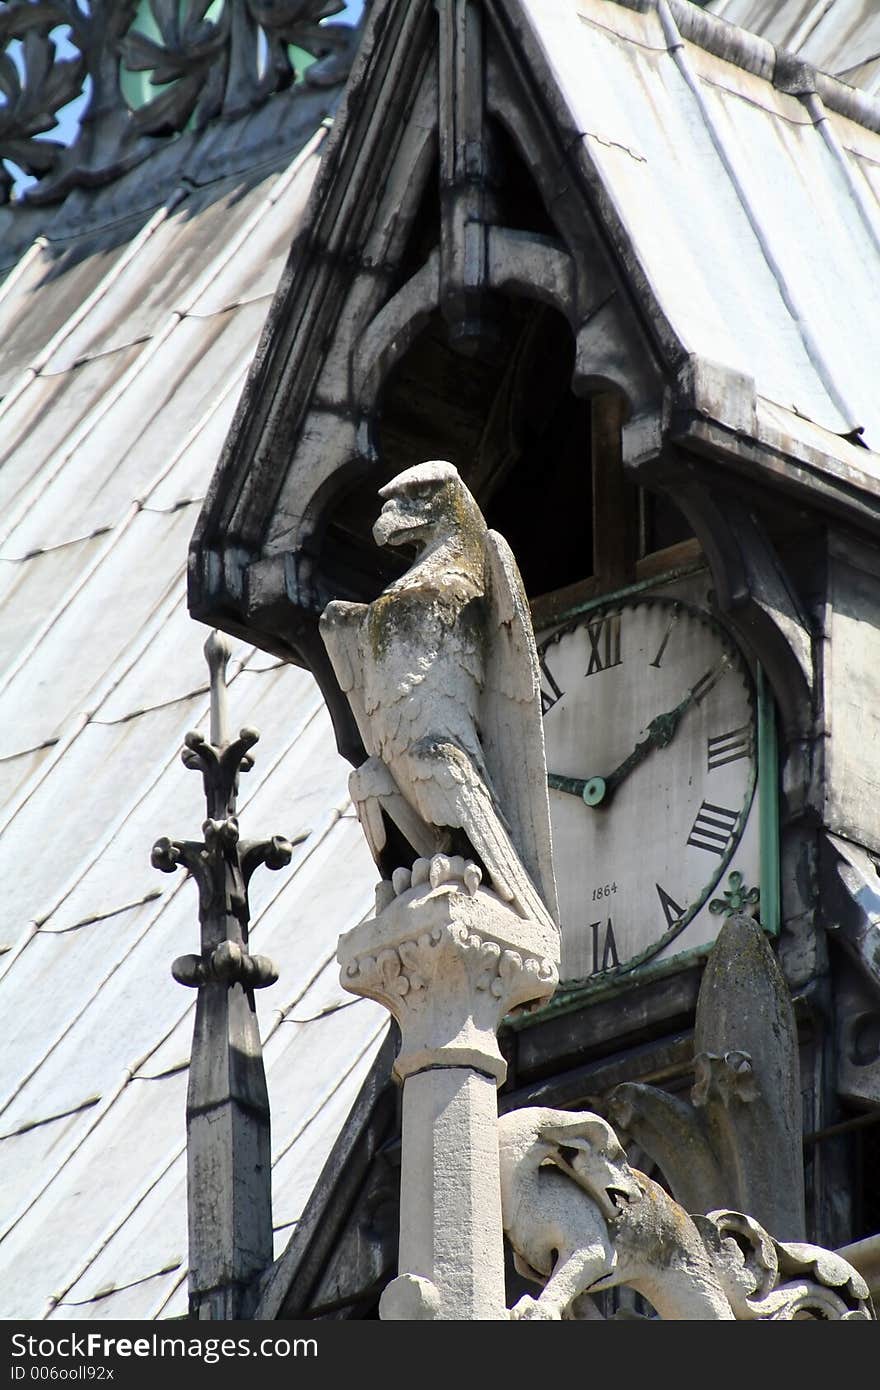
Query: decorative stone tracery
199	69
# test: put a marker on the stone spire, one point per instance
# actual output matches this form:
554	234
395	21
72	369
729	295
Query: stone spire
227	1110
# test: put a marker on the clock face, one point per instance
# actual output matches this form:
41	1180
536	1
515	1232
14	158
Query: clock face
649	725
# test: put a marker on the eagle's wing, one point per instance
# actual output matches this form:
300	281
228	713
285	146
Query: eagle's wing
510	719
339	626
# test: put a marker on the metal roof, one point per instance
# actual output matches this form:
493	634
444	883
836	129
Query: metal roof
128	319
762	245
123	354
841	37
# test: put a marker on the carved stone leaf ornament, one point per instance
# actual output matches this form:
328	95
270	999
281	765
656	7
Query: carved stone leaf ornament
202	66
191	61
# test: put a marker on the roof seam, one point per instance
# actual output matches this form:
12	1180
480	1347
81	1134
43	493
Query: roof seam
129	1075
139	502
113	1227
149	897
811	345
119	1288
116	534
195	290
228	308
816	108
97	356
323	1013
82	310
80	724
100	692
60	545
774	111
68	1153
174	506
24	752
313	844
379	1031
33	252
51	1119
159	1308
810	24
149	709
176	888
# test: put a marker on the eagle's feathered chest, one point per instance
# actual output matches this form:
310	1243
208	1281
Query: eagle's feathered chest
422	645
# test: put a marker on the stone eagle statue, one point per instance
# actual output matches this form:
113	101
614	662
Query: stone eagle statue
441	673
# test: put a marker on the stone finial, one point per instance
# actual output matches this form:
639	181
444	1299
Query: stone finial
228	1155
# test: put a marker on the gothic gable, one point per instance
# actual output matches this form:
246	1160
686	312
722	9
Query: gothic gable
526	206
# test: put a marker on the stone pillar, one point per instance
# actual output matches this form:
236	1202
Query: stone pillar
449	961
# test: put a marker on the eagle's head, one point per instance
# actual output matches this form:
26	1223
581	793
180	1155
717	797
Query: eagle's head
581	1144
423	504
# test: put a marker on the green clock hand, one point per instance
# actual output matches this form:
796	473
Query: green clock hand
661	731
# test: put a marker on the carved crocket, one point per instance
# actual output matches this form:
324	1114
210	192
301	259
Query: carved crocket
442	677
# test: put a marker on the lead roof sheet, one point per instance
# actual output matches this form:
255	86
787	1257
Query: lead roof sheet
123	354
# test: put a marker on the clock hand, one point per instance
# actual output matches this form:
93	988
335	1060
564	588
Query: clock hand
661	731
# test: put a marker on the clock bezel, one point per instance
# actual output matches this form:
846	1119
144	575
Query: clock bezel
615	602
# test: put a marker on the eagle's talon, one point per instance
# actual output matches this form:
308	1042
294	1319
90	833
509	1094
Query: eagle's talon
421	870
530	1309
440	870
401	880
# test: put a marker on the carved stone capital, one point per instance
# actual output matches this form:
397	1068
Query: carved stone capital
449	964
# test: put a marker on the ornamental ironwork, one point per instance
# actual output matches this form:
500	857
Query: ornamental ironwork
201	60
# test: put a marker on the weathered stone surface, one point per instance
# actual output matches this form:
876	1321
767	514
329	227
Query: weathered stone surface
739	1141
449	965
441	673
449	959
581	1220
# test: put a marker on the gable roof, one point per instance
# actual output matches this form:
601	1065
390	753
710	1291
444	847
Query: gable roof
751	286
763	242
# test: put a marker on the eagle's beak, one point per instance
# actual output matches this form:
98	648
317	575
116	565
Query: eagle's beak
394	523
610	1184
